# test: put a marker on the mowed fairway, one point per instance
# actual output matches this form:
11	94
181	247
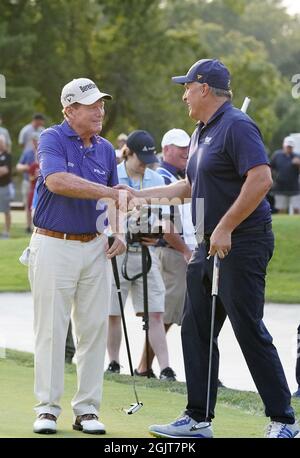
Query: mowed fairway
282	285
17	416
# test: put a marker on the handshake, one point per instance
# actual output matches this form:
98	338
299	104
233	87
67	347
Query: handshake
126	198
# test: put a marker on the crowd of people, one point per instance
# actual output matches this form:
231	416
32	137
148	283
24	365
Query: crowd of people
284	197
67	167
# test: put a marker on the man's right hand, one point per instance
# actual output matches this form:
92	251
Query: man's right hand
132	191
129	194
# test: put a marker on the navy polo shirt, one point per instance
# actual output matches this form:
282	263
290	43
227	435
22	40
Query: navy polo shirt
221	153
287	173
62	150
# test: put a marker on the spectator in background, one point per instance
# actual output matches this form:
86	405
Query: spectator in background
285	164
175	250
36	126
133	171
33	173
5	181
27	163
121	141
5	133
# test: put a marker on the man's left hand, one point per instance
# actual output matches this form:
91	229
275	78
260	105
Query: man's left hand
220	242
117	248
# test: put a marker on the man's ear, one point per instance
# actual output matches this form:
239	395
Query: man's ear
205	89
69	111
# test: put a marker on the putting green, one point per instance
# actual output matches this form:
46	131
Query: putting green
17	416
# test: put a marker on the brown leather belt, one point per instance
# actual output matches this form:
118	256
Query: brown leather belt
61	235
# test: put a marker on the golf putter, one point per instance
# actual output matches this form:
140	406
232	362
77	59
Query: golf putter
214	293
138	405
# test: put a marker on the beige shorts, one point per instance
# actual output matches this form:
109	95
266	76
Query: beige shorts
173	269
283	202
156	289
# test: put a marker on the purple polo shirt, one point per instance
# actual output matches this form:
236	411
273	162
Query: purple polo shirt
62	150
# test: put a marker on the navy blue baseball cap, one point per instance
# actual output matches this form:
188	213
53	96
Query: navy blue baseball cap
142	144
210	71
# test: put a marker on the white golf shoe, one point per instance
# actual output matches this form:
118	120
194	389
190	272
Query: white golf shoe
184	426
45	424
89	424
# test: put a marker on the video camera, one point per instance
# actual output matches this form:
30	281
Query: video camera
146	222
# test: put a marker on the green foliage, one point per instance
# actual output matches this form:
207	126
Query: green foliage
133	47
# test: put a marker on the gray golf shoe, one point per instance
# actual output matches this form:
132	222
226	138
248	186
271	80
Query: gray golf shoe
277	430
183	426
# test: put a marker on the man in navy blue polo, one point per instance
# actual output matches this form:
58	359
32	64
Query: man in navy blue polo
229	169
69	267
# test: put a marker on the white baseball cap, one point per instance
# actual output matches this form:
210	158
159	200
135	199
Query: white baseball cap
289	141
81	90
177	137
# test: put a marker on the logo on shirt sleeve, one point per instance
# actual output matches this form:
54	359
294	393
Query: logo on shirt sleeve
70	164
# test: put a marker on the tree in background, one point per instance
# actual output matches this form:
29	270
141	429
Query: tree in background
131	48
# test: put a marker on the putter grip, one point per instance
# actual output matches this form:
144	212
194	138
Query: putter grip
215	279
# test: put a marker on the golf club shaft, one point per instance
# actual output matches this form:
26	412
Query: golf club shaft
146	310
212	325
117	281
214	293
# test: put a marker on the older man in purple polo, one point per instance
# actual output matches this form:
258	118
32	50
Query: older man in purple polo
69	267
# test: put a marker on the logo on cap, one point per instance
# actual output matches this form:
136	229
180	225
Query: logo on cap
69	97
87	87
199	77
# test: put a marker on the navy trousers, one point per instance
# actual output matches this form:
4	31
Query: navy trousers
241	298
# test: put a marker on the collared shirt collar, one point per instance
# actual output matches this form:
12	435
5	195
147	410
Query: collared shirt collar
171	168
122	173
226	105
67	129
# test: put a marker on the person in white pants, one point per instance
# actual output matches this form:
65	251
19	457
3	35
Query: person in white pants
69	269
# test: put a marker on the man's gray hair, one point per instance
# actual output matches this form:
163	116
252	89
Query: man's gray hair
221	92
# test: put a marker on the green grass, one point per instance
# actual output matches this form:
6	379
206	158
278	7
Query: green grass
283	283
13	273
238	414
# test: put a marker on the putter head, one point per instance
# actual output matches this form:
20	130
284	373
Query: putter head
134	408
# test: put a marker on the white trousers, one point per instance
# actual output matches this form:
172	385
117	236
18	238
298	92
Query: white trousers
69	276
